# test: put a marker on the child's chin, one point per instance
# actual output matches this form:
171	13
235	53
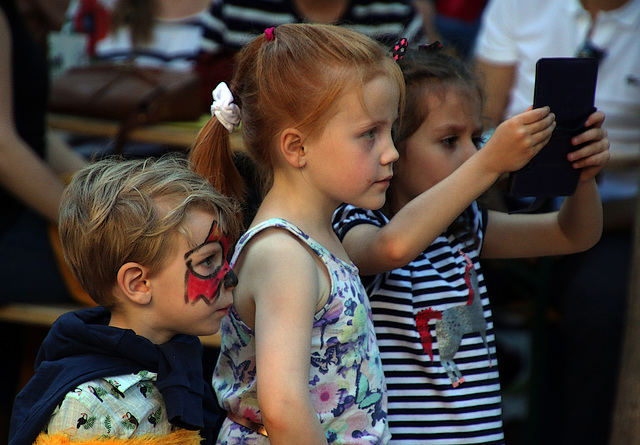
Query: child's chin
371	201
211	327
373	204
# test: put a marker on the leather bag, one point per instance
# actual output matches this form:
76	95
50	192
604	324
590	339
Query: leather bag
129	94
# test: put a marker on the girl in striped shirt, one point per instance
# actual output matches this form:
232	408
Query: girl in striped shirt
419	256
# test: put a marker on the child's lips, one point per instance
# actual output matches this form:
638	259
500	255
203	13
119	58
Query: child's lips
385	181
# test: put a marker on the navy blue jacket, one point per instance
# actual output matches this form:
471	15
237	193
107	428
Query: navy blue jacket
82	347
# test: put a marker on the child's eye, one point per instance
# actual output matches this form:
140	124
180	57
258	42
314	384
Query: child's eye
449	141
370	134
479	141
208	266
207	262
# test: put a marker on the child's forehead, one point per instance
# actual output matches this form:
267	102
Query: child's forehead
436	93
202	227
377	96
451	113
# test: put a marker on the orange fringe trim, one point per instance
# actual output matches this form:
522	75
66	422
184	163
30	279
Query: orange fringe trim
178	437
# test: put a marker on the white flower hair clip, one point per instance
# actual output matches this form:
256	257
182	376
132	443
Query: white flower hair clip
223	107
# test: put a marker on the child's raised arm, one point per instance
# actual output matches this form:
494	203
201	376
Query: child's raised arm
413	228
578	224
285	286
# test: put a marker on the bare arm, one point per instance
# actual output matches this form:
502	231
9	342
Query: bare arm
413	228
498	81
61	157
282	278
576	227
22	172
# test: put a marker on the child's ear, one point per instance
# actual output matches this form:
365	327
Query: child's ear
133	283
292	148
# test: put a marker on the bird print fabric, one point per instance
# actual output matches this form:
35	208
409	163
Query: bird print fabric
124	406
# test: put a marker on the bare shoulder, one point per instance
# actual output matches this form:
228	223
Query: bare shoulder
277	275
274	245
274	254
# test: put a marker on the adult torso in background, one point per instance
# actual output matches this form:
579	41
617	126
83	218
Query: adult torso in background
523	32
30	89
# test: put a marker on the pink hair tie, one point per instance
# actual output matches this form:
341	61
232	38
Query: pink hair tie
269	33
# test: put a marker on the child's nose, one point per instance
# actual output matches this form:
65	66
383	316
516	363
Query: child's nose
230	280
390	154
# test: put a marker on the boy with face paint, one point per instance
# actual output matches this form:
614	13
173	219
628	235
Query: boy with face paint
203	281
149	241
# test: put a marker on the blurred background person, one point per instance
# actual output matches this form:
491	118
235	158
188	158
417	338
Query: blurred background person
238	21
163	34
453	22
157	33
32	161
204	35
589	289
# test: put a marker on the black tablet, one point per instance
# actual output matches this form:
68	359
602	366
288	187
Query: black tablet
568	87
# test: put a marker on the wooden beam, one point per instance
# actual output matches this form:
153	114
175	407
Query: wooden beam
178	134
46	314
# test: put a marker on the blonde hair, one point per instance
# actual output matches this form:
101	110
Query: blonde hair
116	211
291	80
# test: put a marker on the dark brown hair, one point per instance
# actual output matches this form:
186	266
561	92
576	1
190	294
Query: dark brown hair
431	71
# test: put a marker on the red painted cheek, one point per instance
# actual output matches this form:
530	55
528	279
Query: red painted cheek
205	288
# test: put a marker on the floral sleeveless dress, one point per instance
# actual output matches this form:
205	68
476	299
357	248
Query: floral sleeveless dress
346	381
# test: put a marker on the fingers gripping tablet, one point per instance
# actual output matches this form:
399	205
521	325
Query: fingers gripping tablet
567	86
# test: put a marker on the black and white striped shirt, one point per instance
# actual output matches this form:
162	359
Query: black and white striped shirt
428	404
236	22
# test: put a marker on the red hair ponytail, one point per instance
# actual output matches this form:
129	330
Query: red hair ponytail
211	156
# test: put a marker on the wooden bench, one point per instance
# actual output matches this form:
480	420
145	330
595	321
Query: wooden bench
43	315
177	134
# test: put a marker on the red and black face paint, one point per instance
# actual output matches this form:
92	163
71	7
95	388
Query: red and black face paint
208	268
